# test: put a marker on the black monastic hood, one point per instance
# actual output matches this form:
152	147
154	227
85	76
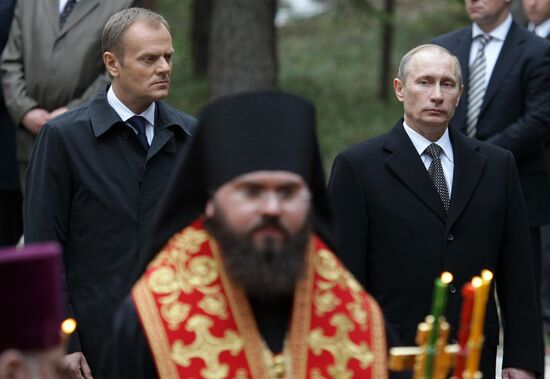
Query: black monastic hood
236	135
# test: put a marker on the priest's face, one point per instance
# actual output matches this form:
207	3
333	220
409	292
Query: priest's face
261	221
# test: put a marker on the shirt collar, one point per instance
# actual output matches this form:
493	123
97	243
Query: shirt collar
541	30
421	143
499	33
124	113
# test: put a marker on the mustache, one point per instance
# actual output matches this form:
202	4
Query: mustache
271	222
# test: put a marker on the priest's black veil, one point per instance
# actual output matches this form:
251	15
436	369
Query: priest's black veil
266	130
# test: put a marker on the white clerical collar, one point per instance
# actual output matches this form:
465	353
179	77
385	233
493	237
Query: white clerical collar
421	143
541	30
124	113
499	33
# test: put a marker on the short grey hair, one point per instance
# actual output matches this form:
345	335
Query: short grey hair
404	66
116	26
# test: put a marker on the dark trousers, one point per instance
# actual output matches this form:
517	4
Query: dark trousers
11	217
545	277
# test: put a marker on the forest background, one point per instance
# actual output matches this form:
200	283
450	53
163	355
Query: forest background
343	59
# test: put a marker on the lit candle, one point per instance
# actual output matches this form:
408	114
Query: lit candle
475	340
67	328
468	292
439	300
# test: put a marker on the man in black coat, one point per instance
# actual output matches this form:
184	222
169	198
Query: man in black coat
399	231
11	222
98	171
515	108
538	14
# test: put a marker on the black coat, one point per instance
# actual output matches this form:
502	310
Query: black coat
396	239
9	172
92	187
515	113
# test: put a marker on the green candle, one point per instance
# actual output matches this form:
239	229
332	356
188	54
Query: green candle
439	301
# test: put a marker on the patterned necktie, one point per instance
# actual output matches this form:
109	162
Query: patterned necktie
477	86
436	173
138	123
67	9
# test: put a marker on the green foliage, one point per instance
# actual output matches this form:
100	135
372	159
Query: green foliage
332	59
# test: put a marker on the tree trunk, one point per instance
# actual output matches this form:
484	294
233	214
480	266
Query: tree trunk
149	4
242	47
387	46
200	35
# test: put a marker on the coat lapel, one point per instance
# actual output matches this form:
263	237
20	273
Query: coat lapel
406	164
51	12
80	11
469	164
511	51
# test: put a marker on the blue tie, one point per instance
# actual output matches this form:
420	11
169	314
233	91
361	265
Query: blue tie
67	9
138	123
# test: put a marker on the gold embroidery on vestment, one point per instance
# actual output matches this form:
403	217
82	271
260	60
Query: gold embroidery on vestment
207	348
340	347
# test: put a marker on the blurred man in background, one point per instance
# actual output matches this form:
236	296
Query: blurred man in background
31	341
52	62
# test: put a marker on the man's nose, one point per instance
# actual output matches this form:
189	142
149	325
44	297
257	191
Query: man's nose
163	65
271	204
437	95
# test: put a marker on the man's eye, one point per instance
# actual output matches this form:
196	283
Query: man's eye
252	192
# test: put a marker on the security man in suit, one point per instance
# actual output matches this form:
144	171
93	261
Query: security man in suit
506	99
51	62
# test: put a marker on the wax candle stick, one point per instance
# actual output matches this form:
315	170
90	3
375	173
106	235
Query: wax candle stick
468	292
439	300
475	340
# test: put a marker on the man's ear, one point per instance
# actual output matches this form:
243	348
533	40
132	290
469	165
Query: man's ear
12	364
209	210
111	63
398	88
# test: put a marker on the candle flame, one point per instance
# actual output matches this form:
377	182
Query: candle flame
446	277
68	326
487	275
477	282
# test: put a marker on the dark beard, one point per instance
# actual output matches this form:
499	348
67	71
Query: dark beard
267	273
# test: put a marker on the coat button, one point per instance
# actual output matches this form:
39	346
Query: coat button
452	288
450	237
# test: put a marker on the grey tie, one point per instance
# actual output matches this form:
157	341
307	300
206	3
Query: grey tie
477	87
67	9
436	173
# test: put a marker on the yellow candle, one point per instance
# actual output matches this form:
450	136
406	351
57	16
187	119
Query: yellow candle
482	286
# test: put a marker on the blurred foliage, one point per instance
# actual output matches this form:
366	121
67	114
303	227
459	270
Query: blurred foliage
332	59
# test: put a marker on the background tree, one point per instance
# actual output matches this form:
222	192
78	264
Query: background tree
200	35
149	4
242	49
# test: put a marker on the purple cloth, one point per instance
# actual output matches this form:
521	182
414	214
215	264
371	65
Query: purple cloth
31	307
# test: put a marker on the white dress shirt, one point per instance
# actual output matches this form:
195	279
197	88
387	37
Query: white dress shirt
493	47
124	113
62	4
542	29
447	157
